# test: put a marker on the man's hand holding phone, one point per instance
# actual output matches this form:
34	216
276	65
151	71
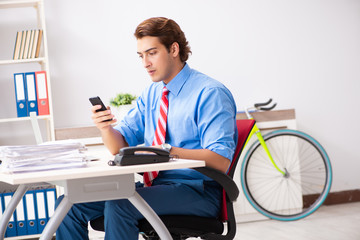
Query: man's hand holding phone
102	115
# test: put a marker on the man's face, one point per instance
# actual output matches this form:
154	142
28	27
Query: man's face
157	60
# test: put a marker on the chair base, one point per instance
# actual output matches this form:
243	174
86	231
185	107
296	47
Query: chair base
183	226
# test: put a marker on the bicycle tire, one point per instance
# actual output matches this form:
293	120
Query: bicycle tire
291	197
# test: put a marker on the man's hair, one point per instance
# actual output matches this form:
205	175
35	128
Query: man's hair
168	32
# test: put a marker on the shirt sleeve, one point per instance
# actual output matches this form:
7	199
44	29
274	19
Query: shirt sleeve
132	126
216	119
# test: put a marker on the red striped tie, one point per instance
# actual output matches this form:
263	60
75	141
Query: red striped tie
160	132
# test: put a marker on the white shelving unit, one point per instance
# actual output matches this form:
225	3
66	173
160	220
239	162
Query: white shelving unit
42	59
41	63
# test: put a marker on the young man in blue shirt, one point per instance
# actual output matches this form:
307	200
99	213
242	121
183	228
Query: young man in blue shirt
200	125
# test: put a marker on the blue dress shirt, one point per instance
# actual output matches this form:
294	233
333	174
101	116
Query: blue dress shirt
201	115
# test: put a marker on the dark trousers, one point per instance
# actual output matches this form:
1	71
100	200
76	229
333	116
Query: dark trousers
121	217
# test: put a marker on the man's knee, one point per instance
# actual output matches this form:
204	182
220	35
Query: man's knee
122	207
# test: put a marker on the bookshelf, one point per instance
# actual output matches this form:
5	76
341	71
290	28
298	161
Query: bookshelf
35	14
41	63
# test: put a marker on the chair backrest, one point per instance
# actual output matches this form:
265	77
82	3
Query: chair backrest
244	127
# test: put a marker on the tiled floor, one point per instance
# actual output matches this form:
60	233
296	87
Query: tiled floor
336	222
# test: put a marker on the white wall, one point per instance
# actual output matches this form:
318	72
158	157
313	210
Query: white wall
303	53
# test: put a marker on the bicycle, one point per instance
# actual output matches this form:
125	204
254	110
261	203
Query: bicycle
286	174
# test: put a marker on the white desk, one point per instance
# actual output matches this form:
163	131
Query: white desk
97	182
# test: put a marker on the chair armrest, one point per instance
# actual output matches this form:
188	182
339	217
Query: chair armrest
228	184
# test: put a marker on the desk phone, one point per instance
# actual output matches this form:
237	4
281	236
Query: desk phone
140	155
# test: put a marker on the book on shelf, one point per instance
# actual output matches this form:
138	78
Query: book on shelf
22	46
33	49
17	45
31	43
28	44
38	44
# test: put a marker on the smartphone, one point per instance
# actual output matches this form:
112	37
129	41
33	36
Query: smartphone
97	101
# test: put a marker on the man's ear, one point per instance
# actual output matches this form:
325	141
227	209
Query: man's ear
174	49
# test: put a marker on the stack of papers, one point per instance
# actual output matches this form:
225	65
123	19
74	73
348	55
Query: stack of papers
52	155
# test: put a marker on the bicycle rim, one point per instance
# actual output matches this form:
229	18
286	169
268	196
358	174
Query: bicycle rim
289	197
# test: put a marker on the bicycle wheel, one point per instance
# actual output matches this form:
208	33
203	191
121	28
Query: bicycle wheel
302	190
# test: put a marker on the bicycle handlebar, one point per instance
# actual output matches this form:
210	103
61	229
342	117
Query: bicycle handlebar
268	108
260	106
263	104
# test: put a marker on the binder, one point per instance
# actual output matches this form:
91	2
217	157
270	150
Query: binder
50	202
42	93
30	213
41	209
11	227
31	93
20	94
2	208
1	205
21	228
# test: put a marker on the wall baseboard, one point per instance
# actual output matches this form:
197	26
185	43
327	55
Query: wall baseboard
343	197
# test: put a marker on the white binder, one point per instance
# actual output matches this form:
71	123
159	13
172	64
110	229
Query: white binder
41	209
31	221
50	200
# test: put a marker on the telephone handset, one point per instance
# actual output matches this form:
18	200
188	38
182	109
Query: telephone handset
140	155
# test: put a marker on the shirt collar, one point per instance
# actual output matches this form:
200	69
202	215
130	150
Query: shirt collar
175	85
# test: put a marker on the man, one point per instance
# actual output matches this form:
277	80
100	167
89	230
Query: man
184	111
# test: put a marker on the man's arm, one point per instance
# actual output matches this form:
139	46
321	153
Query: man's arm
112	139
216	126
211	158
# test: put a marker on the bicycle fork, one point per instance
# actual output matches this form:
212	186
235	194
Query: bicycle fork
256	130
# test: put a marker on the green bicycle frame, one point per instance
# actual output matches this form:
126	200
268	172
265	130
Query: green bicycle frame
256	130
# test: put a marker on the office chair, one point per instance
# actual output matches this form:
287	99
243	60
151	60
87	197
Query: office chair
183	226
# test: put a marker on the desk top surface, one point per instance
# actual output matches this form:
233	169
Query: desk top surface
96	168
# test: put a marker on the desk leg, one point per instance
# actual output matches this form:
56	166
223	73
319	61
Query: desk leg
56	219
151	216
19	193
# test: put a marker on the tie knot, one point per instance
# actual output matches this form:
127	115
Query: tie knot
165	91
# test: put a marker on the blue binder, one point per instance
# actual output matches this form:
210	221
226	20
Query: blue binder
50	202
20	94
21	227
40	209
31	93
2	207
11	227
30	215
